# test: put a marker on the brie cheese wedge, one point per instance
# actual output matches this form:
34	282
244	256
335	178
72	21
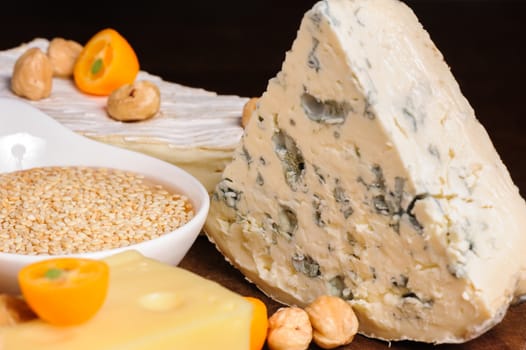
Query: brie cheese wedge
195	129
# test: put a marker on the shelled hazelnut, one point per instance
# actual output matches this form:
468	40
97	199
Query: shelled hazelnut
248	109
32	75
333	321
132	102
63	54
289	328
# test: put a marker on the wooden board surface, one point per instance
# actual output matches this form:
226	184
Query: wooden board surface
204	259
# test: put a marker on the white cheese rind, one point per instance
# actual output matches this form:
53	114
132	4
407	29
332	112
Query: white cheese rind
195	129
364	173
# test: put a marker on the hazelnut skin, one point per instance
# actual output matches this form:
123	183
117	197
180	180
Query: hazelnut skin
248	109
289	328
63	54
32	75
333	320
133	102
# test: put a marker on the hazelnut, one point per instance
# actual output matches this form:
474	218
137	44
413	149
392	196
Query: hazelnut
333	321
248	109
63	54
289	328
131	102
14	310
32	75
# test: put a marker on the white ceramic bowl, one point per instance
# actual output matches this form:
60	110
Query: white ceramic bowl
30	138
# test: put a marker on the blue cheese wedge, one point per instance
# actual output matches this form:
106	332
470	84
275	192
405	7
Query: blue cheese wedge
364	173
195	129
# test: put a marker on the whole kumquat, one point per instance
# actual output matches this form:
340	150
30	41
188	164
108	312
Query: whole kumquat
106	62
65	291
259	323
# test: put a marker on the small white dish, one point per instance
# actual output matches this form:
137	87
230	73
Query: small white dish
30	138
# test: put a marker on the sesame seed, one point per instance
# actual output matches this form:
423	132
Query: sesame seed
64	210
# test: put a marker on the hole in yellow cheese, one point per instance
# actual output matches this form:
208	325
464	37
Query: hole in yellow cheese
160	301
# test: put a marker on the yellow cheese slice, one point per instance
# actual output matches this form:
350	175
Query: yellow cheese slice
150	305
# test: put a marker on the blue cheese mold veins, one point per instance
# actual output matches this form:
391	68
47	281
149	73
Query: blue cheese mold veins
365	174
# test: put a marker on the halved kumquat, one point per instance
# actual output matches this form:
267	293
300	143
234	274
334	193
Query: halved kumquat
106	62
65	291
259	324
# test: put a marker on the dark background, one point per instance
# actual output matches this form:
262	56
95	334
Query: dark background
235	47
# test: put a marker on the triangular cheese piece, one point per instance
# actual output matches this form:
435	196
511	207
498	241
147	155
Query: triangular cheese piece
150	305
364	173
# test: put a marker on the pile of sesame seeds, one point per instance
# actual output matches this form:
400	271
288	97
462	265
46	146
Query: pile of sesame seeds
64	210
